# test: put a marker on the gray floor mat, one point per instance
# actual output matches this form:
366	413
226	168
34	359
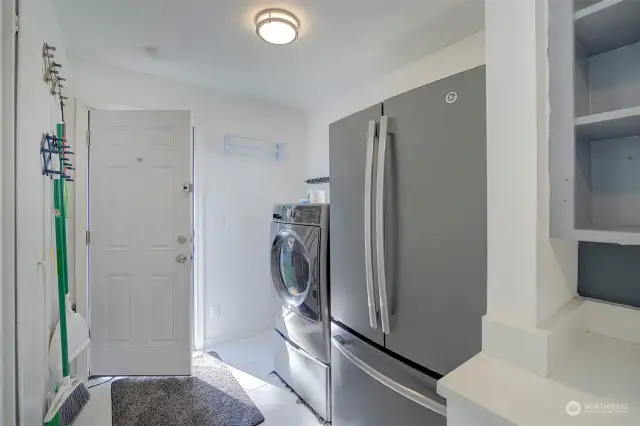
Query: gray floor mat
210	397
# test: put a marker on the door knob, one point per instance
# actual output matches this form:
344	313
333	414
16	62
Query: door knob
181	258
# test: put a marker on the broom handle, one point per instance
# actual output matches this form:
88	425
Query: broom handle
61	134
62	209
58	187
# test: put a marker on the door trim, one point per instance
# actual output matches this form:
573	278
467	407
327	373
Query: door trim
81	211
9	394
197	218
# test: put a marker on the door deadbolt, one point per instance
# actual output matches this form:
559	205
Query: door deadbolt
181	258
182	239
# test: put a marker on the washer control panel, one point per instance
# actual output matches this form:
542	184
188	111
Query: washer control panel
300	213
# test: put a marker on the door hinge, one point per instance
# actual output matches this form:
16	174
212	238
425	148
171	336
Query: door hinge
88	237
88	137
16	20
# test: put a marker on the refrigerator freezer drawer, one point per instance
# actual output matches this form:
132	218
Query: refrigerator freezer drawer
306	375
373	389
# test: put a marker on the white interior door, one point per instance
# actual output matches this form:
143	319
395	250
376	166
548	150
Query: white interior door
140	219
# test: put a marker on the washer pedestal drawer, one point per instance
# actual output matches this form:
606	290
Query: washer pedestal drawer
309	377
313	337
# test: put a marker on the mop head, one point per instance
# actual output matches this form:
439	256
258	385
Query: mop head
69	402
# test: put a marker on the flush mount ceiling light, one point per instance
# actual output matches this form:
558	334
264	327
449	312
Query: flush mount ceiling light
277	26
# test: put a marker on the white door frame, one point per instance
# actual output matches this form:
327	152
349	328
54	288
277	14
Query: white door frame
81	210
198	220
8	99
81	220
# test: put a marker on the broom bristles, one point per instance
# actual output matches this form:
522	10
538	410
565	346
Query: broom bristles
73	405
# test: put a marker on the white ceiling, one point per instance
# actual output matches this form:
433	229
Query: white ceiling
212	43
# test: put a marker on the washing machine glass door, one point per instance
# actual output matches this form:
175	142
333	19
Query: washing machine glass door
290	268
294	269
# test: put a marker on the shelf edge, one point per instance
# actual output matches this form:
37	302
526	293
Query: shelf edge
601	117
595	8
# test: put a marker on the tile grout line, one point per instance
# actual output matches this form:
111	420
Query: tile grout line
259	387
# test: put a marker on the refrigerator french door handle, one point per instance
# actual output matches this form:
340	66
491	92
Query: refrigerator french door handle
387	381
380	239
368	210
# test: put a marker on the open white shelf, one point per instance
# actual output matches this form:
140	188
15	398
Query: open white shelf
608	25
625	236
611	124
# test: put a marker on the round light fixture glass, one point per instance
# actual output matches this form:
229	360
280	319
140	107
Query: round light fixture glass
277	26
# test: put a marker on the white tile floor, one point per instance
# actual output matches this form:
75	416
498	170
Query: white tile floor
250	360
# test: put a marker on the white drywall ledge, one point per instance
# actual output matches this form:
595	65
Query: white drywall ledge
588	351
538	349
498	389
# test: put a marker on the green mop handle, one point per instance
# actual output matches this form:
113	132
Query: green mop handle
61	134
58	198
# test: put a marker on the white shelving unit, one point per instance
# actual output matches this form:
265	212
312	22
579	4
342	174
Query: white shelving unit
594	50
595	122
626	237
617	124
608	25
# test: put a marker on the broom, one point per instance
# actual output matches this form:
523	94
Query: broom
72	395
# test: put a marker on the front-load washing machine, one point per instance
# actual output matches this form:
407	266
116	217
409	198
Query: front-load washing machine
300	274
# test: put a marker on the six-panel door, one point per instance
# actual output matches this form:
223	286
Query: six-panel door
140	251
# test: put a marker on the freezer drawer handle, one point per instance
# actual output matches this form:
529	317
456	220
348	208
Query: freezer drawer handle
368	250
380	240
391	384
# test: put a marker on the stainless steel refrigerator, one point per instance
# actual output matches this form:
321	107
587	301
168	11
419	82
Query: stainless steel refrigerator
407	250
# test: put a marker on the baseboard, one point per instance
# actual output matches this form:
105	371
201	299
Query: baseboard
524	348
620	322
540	349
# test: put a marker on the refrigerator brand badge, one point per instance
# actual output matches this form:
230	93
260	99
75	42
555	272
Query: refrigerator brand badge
451	97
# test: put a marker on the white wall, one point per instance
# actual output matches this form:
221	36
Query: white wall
529	276
37	302
3	284
466	54
557	260
7	215
6	285
236	194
